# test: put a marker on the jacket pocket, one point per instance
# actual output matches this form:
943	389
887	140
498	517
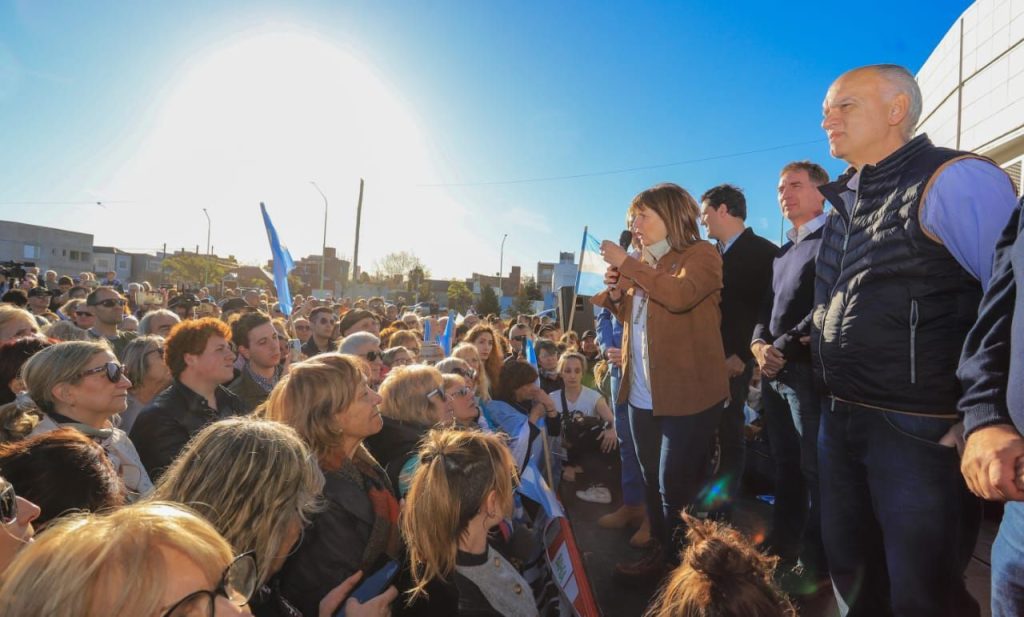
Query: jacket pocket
913	341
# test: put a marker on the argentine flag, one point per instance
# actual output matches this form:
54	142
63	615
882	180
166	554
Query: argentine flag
283	264
590	277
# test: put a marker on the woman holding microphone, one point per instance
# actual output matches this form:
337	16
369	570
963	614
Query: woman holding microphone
673	363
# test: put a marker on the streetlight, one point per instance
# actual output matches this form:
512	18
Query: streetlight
323	249
501	267
206	277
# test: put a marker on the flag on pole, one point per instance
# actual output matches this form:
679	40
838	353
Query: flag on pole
529	353
445	340
283	264
590	276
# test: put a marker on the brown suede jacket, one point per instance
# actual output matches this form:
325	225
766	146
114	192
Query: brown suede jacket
684	340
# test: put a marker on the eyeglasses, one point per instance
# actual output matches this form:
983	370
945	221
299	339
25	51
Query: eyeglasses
438	392
371	356
109	303
159	350
83	314
8	505
237	584
462	392
113	369
521	339
301	328
469	374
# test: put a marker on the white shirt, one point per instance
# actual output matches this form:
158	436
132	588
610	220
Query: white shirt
797	234
586	403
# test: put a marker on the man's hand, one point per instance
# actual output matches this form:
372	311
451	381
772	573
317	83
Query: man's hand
614	355
612	253
768	358
734	366
379	606
990	463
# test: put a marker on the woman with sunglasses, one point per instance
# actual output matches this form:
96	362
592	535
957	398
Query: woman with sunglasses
146	560
144	366
471	356
467	407
329	403
462	490
413	401
257	483
16	517
81	385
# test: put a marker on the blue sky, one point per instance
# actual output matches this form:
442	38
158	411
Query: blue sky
159	110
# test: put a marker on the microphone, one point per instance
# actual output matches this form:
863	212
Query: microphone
626	239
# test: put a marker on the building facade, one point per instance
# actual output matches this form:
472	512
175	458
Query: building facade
67	252
973	85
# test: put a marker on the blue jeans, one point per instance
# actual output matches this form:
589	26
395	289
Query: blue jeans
674	454
894	514
792	410
1008	563
632	478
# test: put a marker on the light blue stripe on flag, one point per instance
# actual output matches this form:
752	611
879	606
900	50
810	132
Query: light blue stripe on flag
283	264
590	280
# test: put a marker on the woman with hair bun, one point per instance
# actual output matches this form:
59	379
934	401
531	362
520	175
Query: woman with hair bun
721	574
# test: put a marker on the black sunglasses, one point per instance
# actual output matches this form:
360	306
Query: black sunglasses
237	584
8	505
83	314
371	356
521	339
113	369
108	303
466	373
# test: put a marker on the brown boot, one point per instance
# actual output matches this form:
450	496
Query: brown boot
650	567
642	535
623	517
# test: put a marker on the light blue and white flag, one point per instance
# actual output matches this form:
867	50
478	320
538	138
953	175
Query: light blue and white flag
590	277
445	340
283	264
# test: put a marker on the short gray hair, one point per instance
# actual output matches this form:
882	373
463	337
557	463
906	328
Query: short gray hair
351	343
135	354
65	331
148	318
902	81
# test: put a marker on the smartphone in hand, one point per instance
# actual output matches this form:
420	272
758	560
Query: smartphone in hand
372	586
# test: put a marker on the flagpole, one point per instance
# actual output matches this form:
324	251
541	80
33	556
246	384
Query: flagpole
575	289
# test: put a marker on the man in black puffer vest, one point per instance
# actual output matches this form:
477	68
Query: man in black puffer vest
904	255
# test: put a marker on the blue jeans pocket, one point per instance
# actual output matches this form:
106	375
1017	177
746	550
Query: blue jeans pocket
921	429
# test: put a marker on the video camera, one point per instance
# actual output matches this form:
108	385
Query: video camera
15	269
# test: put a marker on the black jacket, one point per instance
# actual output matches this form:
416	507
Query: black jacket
248	391
393	446
310	349
746	278
165	425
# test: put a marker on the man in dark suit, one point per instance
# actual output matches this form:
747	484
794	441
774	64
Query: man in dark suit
747	276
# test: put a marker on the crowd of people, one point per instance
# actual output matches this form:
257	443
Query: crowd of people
167	453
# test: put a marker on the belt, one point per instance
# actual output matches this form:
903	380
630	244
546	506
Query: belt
937	416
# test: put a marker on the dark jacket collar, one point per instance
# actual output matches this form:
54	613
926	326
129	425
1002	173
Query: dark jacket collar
887	166
196	403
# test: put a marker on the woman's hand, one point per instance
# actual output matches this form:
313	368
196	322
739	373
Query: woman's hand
609	440
379	606
612	253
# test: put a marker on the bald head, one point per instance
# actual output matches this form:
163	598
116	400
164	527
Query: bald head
871	111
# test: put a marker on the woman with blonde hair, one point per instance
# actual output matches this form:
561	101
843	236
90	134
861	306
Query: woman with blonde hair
15	323
673	361
469	353
412	402
462	489
329	403
81	385
146	560
490	349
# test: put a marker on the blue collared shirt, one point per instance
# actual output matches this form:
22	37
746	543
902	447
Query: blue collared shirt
796	234
723	247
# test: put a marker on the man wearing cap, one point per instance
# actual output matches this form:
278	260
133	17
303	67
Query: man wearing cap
234	305
39	302
589	347
184	306
108	305
322	340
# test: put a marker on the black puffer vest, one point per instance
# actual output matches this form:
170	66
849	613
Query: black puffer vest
892	306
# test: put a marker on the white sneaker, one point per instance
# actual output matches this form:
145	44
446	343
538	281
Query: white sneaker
595	494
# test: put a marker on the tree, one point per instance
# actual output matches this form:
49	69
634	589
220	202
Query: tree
398	263
460	298
190	268
522	305
532	289
488	304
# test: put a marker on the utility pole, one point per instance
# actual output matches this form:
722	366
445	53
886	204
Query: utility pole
501	268
359	218
323	249
206	277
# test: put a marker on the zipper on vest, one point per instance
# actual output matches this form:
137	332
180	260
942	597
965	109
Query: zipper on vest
913	341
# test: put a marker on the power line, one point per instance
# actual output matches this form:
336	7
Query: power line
625	170
62	203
